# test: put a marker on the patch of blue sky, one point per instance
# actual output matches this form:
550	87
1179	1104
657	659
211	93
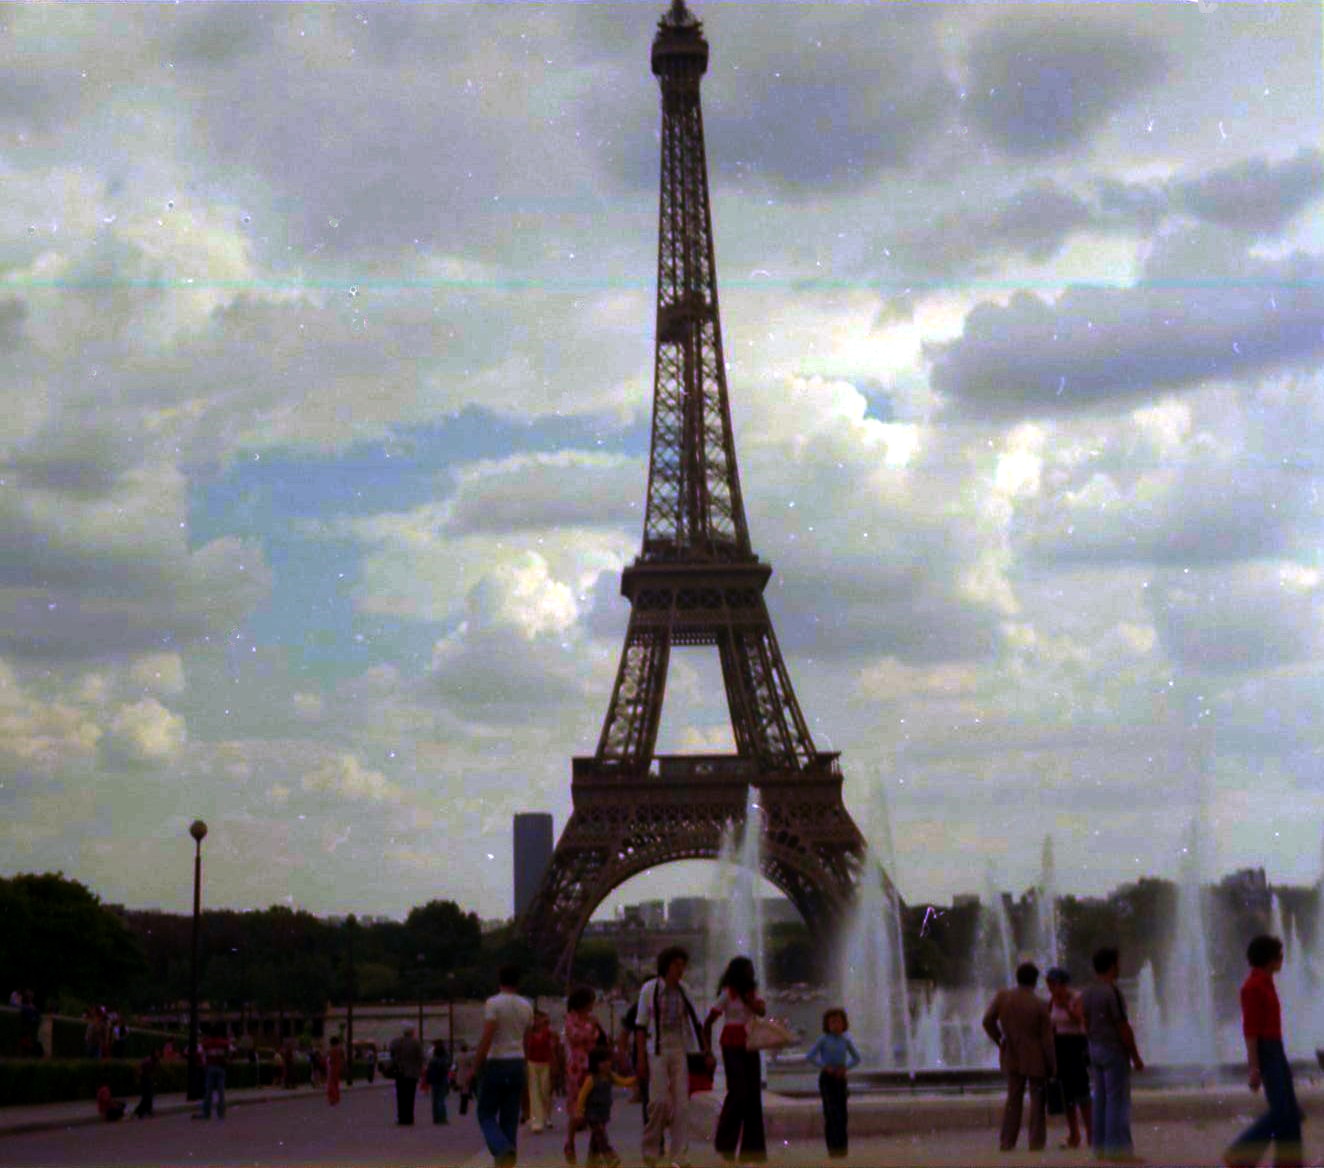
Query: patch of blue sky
276	500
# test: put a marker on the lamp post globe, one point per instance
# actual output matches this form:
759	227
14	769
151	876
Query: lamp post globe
198	830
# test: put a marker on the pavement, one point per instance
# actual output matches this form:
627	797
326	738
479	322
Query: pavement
1172	1128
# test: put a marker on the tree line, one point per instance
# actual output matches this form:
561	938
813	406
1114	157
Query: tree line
62	942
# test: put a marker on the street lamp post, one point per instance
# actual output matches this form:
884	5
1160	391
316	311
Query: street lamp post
198	830
421	960
350	923
450	1013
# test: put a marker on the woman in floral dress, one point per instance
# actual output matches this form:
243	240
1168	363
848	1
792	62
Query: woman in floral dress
581	1036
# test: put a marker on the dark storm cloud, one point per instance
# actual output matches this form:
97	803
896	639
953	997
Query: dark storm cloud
1041	83
1185	322
1256	195
1034	222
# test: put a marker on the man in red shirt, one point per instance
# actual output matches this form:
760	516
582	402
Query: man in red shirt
1262	1024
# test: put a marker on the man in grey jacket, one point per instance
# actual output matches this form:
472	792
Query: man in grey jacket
407	1062
1018	1023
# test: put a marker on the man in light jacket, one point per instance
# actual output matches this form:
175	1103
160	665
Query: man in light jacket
1018	1023
667	1029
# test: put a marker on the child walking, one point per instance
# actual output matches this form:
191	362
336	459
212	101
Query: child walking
834	1054
593	1108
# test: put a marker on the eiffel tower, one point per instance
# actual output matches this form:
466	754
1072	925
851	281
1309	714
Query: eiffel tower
696	581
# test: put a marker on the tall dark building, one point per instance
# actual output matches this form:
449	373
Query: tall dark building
534	840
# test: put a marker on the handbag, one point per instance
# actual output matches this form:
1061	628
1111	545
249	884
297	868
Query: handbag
698	1073
1055	1099
767	1034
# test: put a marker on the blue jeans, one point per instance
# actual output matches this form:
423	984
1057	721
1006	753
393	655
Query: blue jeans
1282	1122
1110	1080
499	1092
213	1080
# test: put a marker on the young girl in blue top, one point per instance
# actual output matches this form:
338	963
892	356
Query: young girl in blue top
834	1054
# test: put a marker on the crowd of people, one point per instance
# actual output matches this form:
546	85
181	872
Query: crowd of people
1073	1052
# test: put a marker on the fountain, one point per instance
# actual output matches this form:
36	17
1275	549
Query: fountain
1047	948
737	923
872	975
1189	1031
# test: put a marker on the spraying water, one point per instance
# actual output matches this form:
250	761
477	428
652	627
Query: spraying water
1047	947
873	961
1189	1030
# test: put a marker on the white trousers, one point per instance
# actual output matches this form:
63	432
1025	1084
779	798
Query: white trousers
540	1094
668	1104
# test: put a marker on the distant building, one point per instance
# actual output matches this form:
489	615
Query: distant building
688	912
649	914
534	843
1250	888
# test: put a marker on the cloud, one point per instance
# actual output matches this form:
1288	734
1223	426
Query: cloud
1256	195
1043	81
568	488
42	735
345	777
162	673
147	732
1245	617
1184	323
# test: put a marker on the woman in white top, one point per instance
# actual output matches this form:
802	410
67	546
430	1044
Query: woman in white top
740	1125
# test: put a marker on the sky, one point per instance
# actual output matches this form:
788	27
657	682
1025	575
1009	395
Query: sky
326	339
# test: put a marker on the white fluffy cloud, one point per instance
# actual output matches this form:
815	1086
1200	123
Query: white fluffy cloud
147	732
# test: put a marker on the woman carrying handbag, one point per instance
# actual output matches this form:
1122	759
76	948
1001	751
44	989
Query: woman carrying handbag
740	1125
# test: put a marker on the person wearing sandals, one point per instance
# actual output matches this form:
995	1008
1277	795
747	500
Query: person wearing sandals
740	1124
1071	1042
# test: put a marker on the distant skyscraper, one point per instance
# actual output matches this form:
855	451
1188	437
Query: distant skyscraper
534	841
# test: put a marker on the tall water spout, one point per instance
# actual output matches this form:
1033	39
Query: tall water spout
747	921
996	964
873	962
1047	948
720	925
1190	1029
1149	1018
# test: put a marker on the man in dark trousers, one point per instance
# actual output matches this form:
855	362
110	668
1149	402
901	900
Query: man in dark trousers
1113	1055
1262	1026
1018	1023
407	1061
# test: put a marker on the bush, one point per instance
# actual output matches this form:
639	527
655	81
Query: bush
61	1080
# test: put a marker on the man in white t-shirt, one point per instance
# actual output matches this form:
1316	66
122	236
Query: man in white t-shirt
667	1029
499	1065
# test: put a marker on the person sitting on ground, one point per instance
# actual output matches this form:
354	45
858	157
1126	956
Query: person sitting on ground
109	1108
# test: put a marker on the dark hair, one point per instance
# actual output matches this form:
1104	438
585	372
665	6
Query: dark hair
1027	975
580	997
668	955
835	1012
335	1041
739	976
1263	950
1057	976
439	1049
509	975
596	1057
1106	958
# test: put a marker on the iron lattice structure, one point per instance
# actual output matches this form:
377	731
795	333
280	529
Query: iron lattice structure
696	581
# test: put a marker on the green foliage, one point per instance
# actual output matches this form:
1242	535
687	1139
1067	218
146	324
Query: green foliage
60	1080
71	944
597	964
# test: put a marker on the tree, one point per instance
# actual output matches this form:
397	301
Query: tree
60	941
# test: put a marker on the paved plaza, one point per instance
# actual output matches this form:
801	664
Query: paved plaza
303	1130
